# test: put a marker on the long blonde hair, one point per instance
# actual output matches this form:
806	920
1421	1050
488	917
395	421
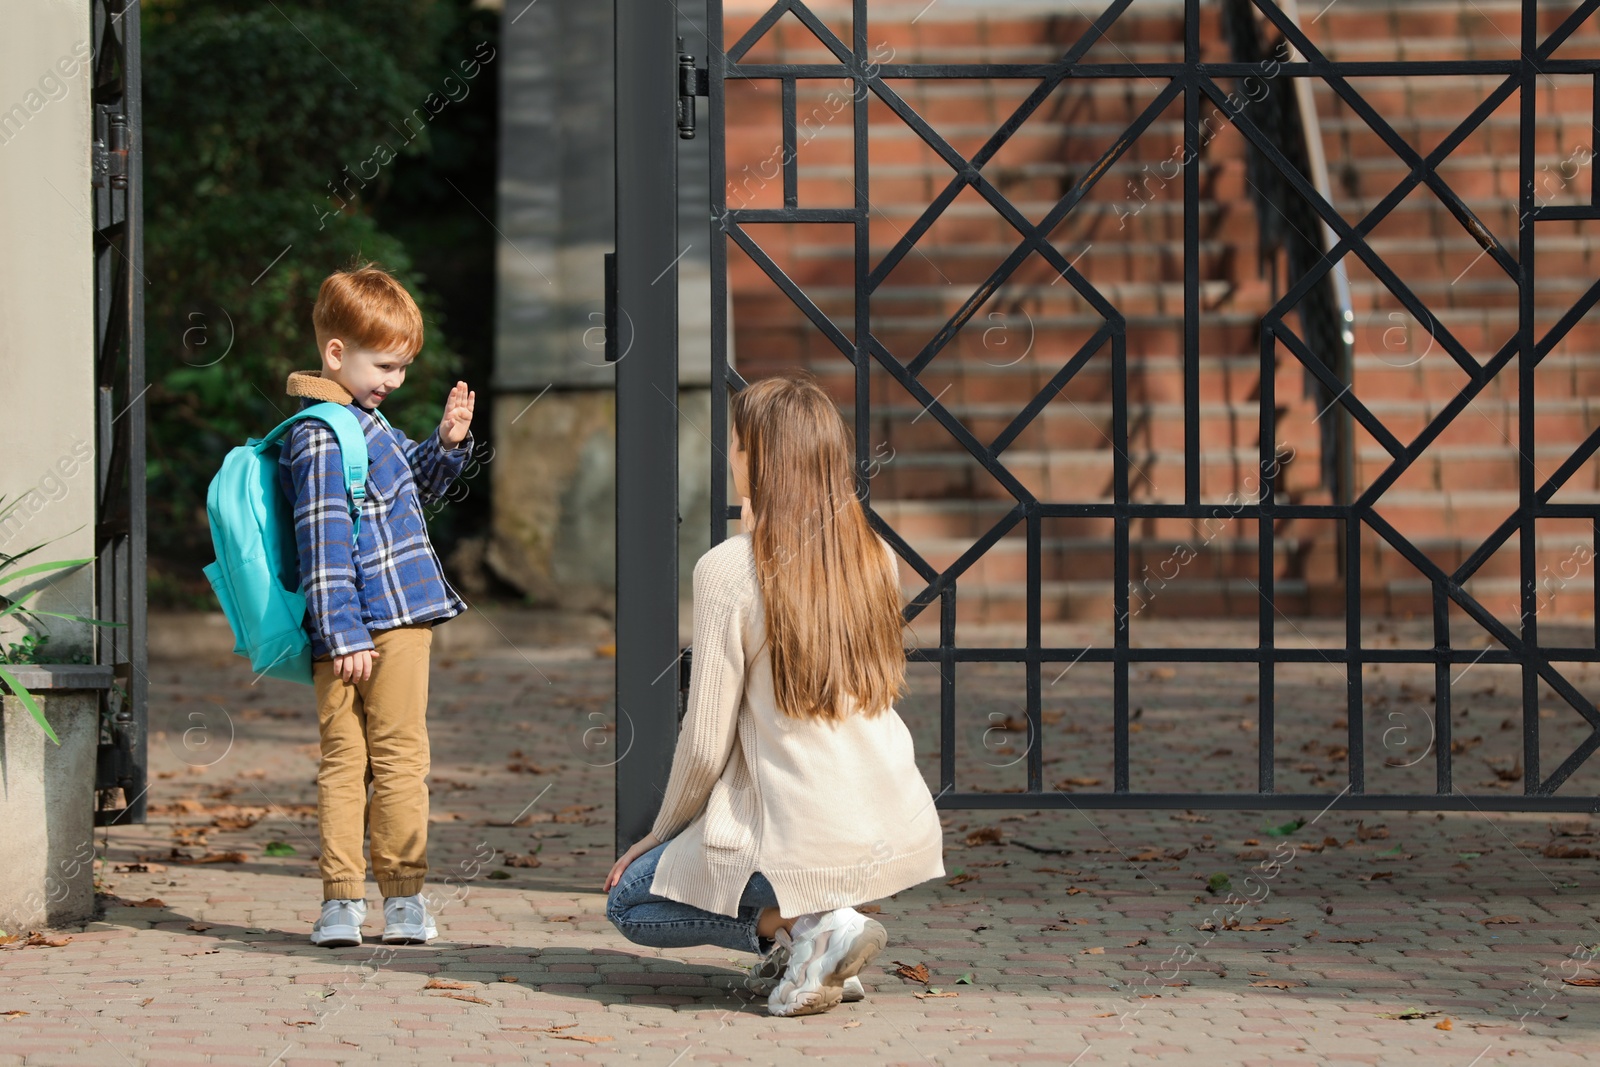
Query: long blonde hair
832	596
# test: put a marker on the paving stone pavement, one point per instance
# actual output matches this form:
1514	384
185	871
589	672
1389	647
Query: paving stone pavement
1081	937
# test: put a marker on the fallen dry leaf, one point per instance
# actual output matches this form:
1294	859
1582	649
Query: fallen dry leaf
508	978
11	1014
147	902
870	909
1277	983
445	983
1500	920
960	879
1136	944
517	859
916	972
1097	950
591	1039
468	997
935	996
199	928
1582	981
215	857
1557	851
1443	1024
1082	782
1350	940
987	835
41	941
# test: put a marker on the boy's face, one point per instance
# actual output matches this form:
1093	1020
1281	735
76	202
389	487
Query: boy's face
367	375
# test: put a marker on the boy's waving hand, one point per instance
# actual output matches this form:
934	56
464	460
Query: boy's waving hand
457	415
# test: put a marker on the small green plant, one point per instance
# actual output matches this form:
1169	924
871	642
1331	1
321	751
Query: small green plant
31	649
10	574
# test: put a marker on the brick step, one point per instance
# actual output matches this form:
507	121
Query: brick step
979	100
1451	302
1228	550
1077	425
1222	379
1558	421
1567	261
1224	598
893	143
1480	331
1067	474
1481	513
1159	475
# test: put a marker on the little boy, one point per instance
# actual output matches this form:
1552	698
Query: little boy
371	605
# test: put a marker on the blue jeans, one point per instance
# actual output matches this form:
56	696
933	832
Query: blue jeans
646	919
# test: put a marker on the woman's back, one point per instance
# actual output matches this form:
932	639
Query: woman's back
831	809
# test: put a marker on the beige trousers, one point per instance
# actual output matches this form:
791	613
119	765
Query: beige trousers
375	734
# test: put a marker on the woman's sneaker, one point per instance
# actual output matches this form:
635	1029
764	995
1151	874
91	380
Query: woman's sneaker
767	972
828	948
340	924
406	921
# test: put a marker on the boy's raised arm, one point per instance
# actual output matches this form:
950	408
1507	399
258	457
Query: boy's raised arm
322	533
437	461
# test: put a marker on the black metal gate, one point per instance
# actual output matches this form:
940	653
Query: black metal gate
647	515
119	409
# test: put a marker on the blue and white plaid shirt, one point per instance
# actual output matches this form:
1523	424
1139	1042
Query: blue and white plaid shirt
393	577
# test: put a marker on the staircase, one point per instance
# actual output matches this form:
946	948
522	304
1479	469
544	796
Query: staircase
1127	239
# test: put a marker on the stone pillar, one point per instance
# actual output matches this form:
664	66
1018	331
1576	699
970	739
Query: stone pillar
47	799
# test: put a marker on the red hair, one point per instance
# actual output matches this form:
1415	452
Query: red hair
366	307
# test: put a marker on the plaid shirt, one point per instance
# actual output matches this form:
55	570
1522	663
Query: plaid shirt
393	577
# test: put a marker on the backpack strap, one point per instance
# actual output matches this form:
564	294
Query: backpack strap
352	450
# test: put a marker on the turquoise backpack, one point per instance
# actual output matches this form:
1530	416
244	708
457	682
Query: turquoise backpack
257	573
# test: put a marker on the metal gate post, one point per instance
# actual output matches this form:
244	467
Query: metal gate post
645	298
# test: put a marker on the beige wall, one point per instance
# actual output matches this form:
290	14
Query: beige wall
47	296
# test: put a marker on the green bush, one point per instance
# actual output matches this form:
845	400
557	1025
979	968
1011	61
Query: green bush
259	123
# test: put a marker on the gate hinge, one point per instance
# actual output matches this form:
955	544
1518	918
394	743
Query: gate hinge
693	81
110	151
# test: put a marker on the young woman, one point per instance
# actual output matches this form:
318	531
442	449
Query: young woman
794	791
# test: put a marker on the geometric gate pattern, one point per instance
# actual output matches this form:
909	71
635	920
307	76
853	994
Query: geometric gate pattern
1194	83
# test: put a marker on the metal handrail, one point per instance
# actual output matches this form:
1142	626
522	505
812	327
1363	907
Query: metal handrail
1317	161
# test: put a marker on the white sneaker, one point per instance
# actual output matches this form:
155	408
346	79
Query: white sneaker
340	923
406	921
767	972
828	948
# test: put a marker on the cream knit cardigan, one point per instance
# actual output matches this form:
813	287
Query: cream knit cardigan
832	813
